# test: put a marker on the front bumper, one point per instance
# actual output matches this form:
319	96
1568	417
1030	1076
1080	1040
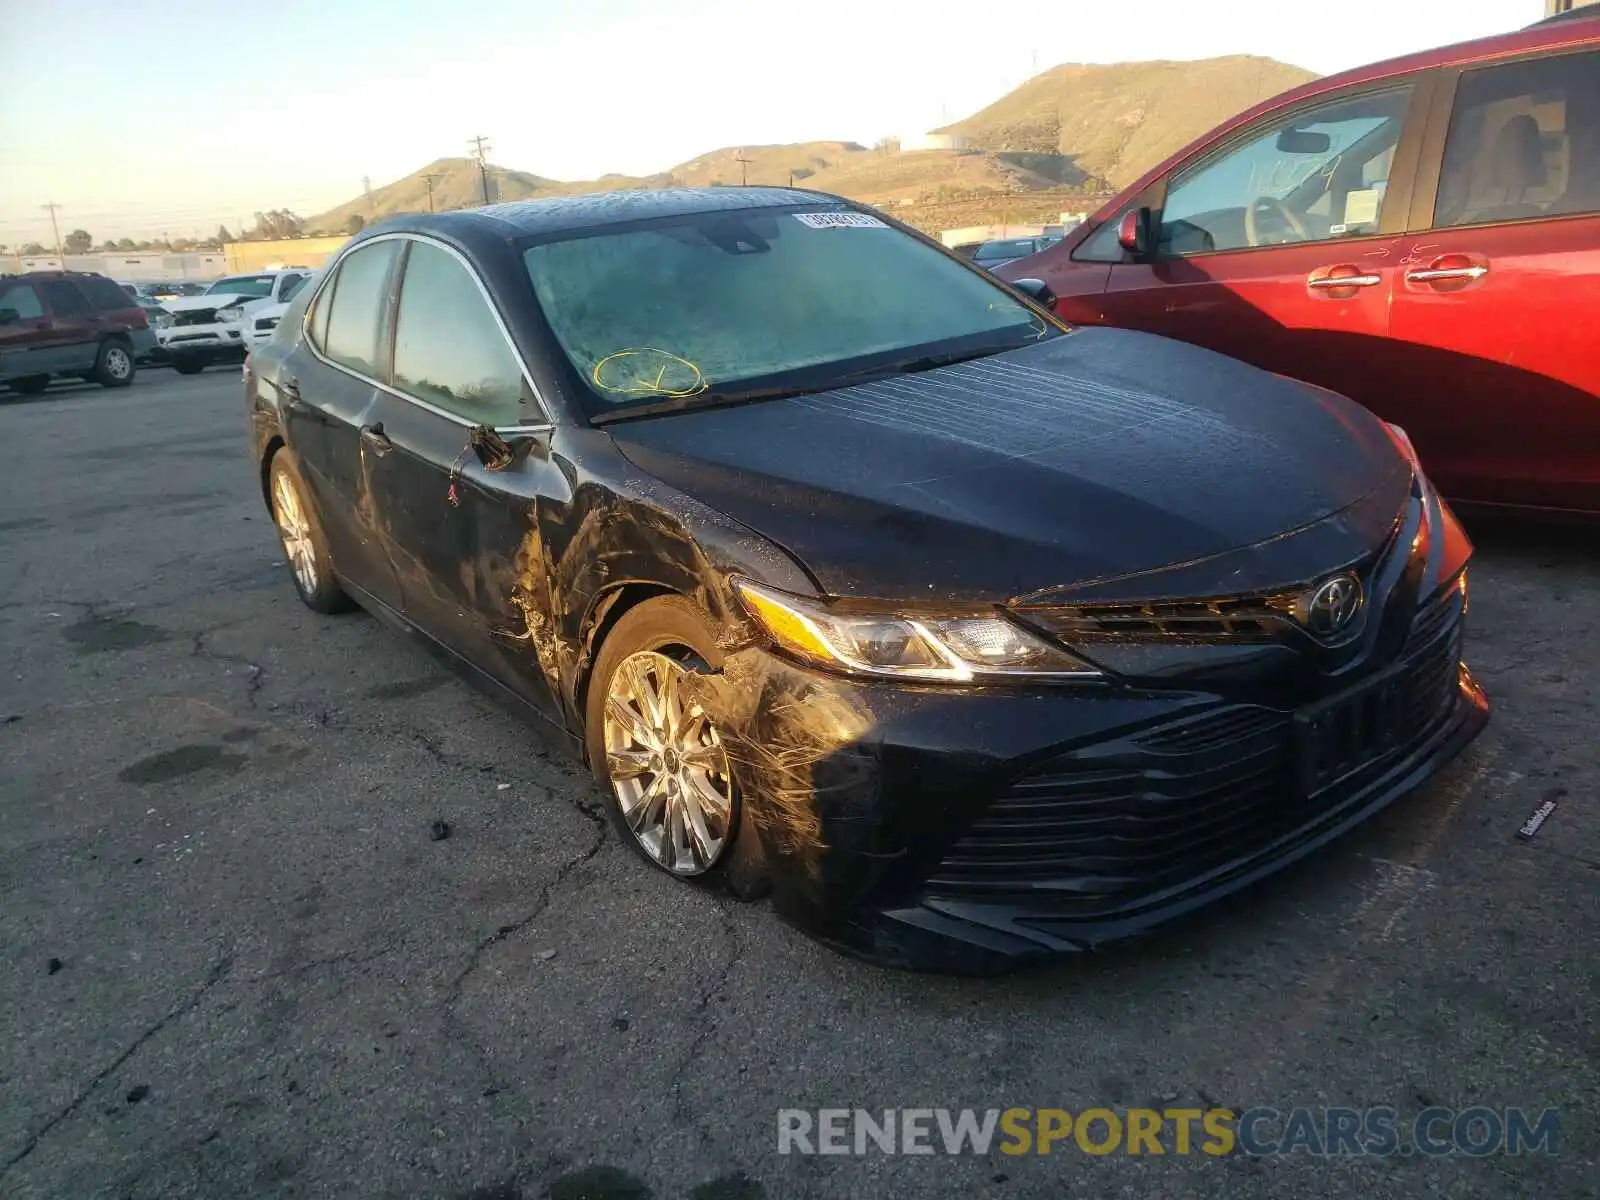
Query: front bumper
979	830
220	338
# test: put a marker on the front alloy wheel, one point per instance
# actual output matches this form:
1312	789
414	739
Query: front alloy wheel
667	765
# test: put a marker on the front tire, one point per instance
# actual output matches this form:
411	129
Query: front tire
114	366
304	547
188	364
653	746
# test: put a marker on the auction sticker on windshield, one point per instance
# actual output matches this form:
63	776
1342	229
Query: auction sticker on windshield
839	220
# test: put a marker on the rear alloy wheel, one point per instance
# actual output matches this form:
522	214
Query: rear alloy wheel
303	543
666	764
114	365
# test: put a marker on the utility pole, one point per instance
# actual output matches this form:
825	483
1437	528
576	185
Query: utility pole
366	189
430	180
744	167
55	228
480	149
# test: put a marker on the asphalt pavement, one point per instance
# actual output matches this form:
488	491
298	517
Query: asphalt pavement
237	960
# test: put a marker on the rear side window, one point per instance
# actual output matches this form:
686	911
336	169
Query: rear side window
448	348
1524	142
24	301
350	336
64	299
103	293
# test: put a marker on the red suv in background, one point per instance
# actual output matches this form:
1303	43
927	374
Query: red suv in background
1422	235
69	323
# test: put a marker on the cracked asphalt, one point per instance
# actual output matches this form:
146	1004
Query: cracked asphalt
235	960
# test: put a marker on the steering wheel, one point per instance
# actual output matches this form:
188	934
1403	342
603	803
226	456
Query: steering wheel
1265	205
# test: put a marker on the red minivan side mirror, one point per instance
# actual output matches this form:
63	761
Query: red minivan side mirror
1133	232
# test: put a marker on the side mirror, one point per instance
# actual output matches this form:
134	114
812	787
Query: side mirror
1036	290
1304	141
1133	232
9	316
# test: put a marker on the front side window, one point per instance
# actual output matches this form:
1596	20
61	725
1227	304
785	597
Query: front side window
1524	142
64	299
242	285
448	348
751	301
355	307
23	301
293	287
1319	174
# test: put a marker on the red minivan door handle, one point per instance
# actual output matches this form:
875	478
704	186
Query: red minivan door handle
1451	269
1340	282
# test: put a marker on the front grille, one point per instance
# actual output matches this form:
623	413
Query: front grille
1105	831
1256	618
195	316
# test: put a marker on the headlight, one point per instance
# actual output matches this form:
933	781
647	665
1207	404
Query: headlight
953	649
160	320
234	313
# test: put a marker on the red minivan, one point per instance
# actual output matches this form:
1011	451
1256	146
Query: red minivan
1422	235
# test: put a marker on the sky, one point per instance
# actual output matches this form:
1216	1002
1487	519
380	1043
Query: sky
144	118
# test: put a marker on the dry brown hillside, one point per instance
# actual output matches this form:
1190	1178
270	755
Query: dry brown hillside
455	185
1116	122
1068	131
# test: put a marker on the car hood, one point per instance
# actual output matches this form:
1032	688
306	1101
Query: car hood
1100	455
211	300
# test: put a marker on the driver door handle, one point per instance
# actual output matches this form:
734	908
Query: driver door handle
1363	280
375	439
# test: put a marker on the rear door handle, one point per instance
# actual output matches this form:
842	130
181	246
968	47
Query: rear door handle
376	440
1446	274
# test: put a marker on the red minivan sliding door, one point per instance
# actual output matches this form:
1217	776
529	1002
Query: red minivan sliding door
1279	247
1497	302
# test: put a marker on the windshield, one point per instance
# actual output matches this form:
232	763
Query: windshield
1018	248
718	304
243	285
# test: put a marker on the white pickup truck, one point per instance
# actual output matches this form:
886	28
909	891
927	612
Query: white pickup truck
216	326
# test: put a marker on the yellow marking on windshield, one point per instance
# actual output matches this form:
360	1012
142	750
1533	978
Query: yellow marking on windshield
692	382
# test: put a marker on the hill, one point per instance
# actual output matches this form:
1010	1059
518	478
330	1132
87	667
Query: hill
455	185
1073	132
1116	122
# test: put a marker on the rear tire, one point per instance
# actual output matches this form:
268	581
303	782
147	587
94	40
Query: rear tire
188	364
29	385
300	534
114	366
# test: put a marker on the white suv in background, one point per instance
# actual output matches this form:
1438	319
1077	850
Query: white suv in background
263	321
213	326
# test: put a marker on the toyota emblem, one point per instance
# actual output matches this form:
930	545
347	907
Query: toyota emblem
1332	605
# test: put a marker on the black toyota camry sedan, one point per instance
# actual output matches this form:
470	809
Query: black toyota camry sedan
857	577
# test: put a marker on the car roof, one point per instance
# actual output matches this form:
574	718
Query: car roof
563	214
